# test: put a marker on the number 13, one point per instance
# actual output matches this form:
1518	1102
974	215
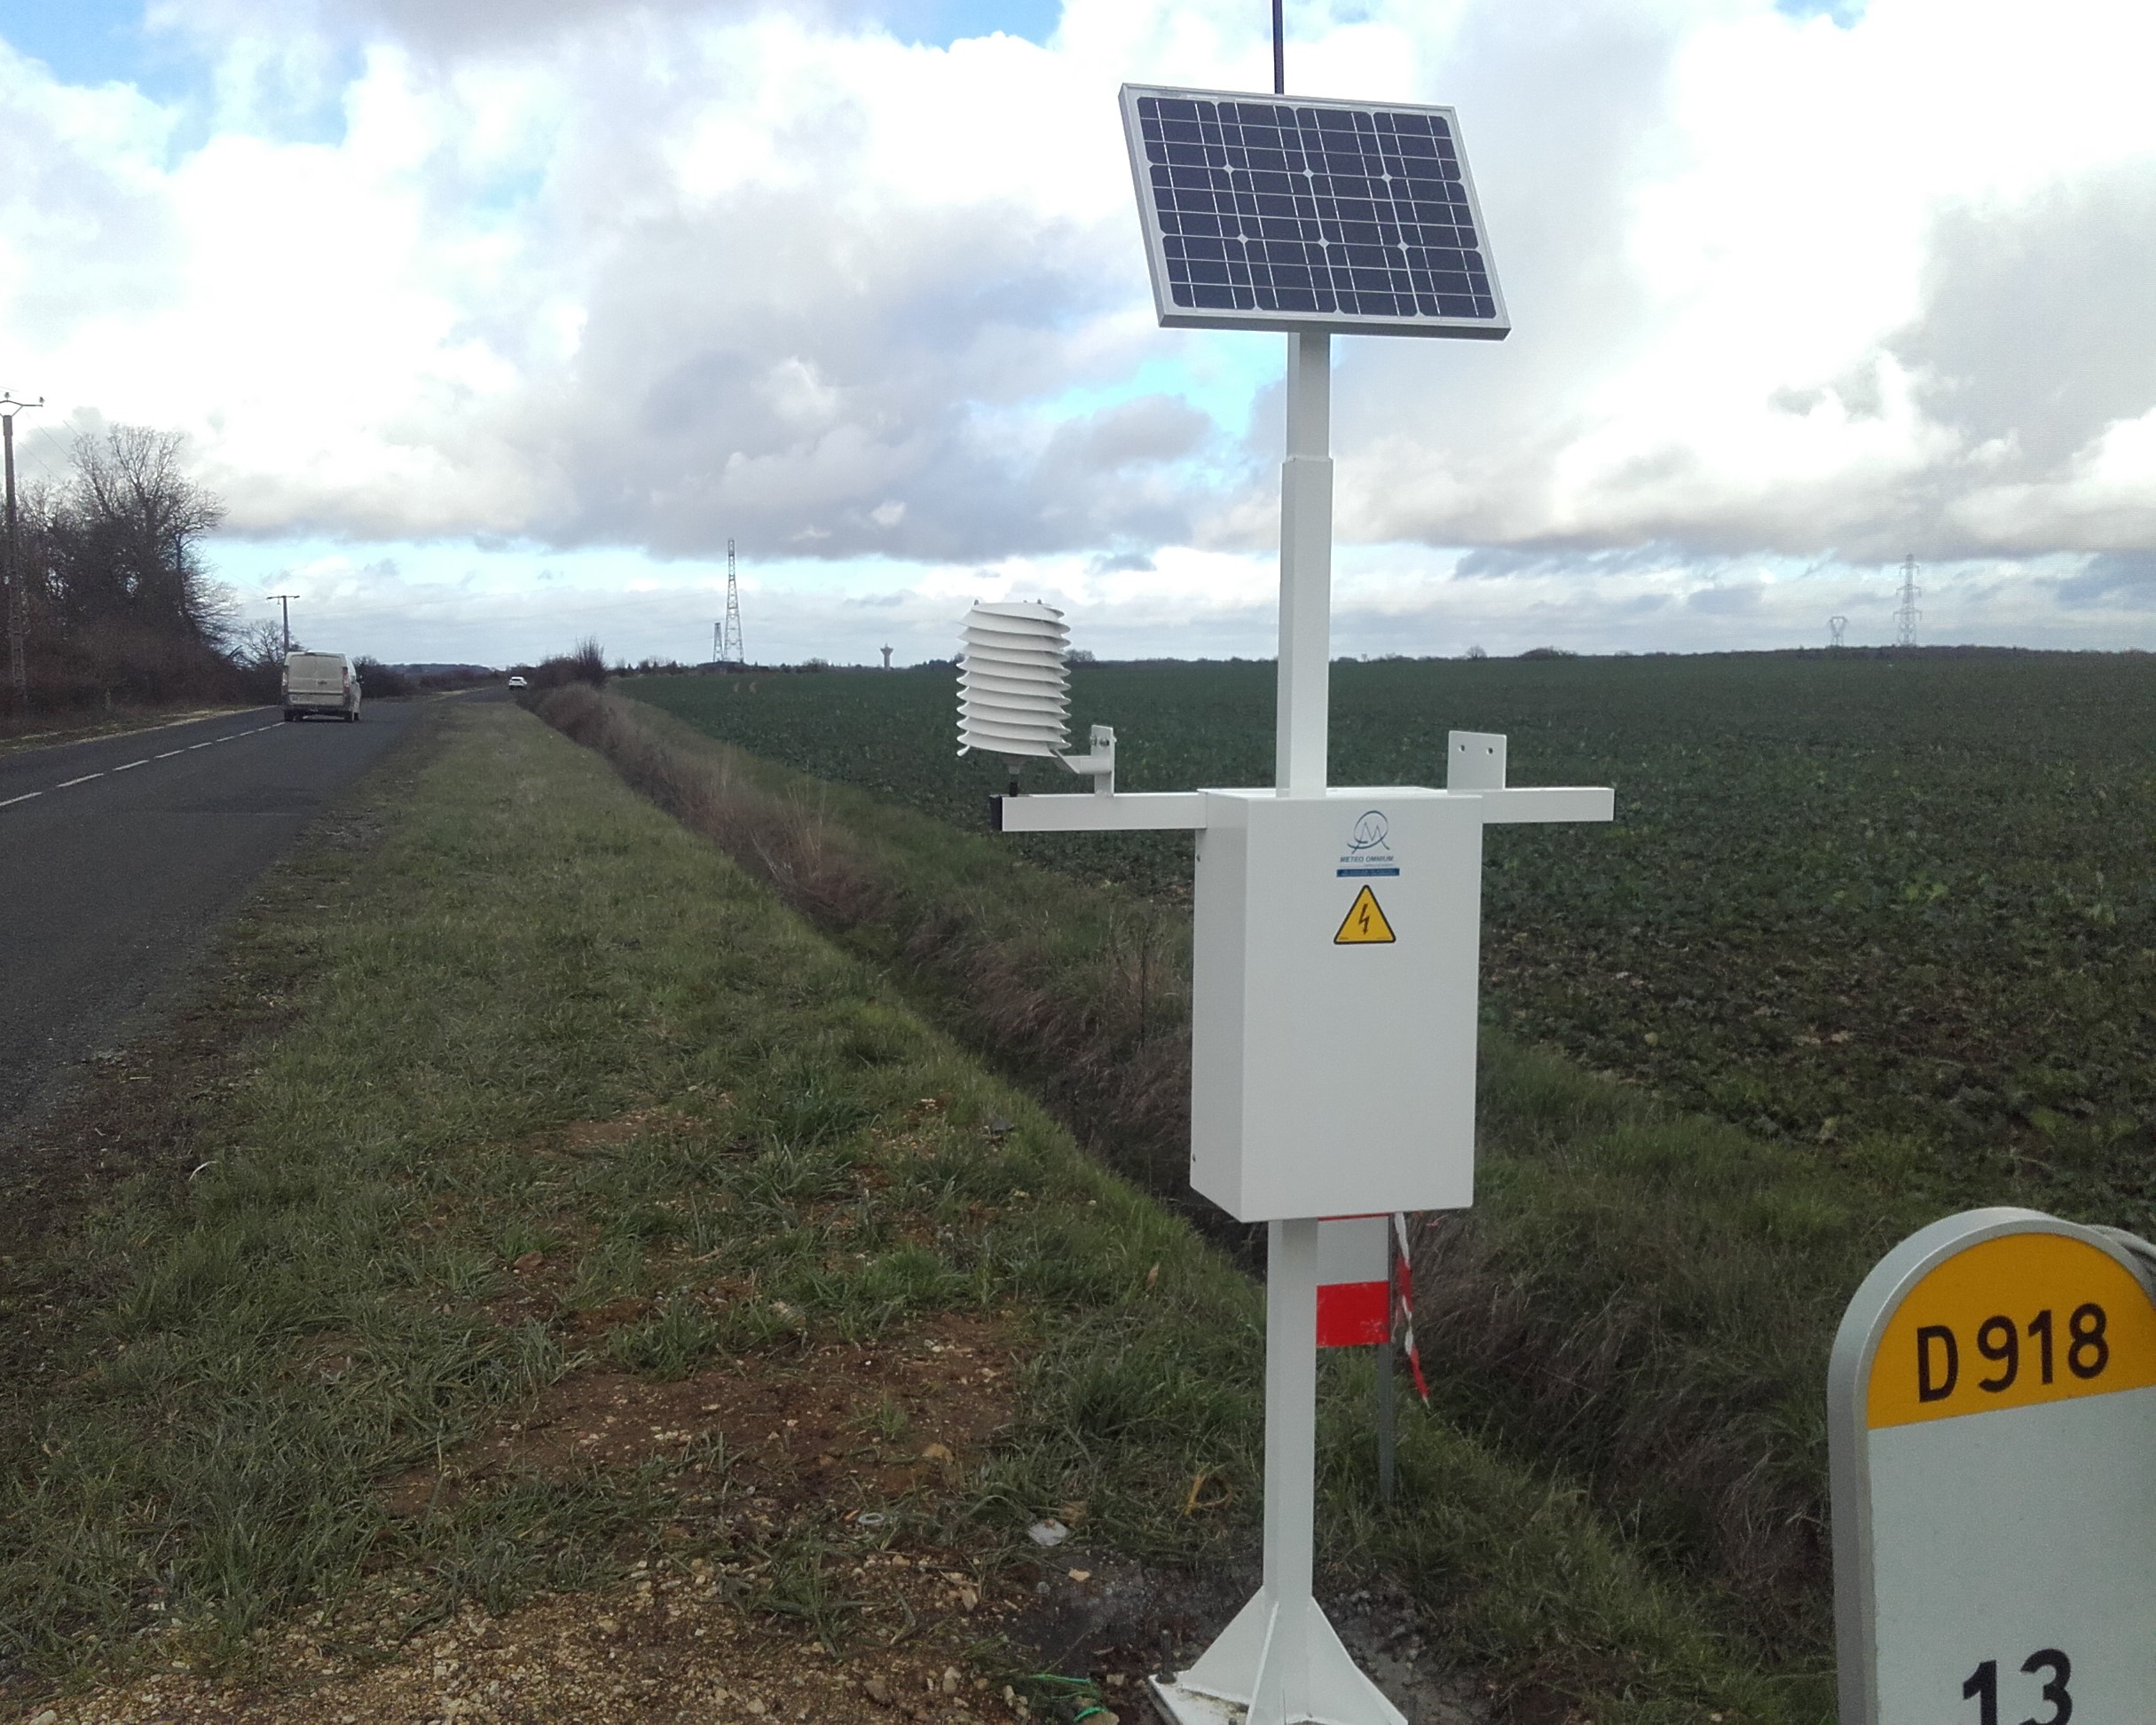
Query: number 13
1983	1687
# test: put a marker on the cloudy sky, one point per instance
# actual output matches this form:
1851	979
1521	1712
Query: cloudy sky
492	320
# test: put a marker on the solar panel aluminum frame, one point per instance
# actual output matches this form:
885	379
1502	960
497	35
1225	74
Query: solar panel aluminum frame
1179	317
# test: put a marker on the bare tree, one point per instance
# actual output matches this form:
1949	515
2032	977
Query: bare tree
260	646
121	604
131	519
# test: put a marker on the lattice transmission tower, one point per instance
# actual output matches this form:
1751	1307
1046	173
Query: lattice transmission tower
1835	626
1908	617
730	649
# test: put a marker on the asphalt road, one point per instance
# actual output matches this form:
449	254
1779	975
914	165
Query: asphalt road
119	856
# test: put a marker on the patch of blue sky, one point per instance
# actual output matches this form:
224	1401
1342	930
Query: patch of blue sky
1219	373
90	43
312	113
506	193
1843	12
942	22
98	42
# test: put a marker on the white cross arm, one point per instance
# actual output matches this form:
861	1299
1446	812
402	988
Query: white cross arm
1474	767
1119	811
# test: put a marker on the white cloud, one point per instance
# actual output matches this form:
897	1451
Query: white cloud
652	276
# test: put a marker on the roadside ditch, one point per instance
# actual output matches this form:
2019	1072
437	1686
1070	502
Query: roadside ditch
1641	1300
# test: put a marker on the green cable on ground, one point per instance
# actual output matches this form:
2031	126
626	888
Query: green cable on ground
1091	1692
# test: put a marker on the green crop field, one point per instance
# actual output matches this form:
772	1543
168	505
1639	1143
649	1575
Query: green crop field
1896	906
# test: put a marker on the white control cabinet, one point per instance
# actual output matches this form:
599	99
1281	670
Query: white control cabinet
1334	1027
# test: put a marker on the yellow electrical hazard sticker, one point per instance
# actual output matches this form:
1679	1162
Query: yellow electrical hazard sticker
1365	923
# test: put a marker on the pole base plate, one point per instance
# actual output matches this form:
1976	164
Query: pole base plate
1278	1663
1181	1706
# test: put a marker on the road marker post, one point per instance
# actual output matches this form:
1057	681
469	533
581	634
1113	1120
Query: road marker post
1992	1432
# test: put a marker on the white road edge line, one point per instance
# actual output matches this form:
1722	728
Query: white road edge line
145	761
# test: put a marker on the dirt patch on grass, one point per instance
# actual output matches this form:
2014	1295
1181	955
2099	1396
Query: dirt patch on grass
675	1642
809	1584
585	1135
847	1428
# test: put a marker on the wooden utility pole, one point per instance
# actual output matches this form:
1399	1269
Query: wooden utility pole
286	599
18	600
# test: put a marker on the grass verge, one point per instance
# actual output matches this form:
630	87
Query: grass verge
1642	1299
48	730
580	1161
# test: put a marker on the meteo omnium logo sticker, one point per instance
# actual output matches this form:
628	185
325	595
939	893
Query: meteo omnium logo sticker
1368	851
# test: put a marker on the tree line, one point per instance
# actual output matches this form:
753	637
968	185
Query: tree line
118	605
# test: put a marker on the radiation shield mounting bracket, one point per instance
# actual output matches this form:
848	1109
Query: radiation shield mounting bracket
1098	765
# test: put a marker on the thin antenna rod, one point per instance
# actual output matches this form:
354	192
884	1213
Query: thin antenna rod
1279	51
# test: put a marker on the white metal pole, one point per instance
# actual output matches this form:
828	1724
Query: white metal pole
1291	1421
1306	567
1280	1660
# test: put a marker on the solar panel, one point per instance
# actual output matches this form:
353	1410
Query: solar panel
1275	212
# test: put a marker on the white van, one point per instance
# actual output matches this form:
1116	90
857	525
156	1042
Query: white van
320	682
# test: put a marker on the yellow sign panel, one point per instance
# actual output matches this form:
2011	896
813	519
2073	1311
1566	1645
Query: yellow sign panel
1365	923
2014	1321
